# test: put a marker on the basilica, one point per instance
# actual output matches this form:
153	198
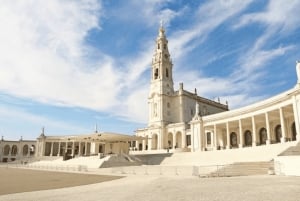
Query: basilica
183	121
179	121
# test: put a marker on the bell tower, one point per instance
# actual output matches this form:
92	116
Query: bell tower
161	87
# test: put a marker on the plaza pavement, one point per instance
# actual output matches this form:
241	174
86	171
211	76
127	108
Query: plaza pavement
175	188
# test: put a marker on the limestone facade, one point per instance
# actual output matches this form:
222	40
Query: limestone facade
183	120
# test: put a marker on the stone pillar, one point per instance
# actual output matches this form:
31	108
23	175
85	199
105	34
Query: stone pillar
79	148
137	145
85	149
227	135
253	132
150	143
58	153
296	118
183	140
283	133
241	134
51	151
28	152
215	140
144	145
66	148
268	129
174	140
73	148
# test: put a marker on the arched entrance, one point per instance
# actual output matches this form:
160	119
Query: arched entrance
178	140
294	132
233	139
154	141
278	133
263	136
14	150
101	148
25	150
170	140
6	150
248	138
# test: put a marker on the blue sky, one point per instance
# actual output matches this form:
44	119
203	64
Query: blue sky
68	65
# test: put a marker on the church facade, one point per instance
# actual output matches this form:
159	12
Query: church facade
182	120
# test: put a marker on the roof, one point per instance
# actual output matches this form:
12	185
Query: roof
94	137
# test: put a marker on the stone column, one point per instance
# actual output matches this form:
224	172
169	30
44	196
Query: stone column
28	152
268	129
66	148
85	148
51	151
241	134
215	137
137	145
150	143
296	118
174	140
183	140
283	134
58	154
79	148
253	132
144	145
227	135
73	148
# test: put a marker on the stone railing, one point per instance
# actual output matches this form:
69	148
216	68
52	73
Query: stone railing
63	168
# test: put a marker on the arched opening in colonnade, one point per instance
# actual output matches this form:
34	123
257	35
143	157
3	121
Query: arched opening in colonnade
278	133
233	140
154	141
14	150
263	136
6	150
294	132
170	140
178	140
25	150
248	138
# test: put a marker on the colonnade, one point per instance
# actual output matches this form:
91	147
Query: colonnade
59	148
274	125
12	150
172	140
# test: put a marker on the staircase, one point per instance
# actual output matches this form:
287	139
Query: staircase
152	159
243	169
291	151
120	160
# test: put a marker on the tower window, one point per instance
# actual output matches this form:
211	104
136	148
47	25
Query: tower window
168	105
158	46
156	73
167	72
165	46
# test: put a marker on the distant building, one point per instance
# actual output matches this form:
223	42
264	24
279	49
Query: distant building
183	120
15	150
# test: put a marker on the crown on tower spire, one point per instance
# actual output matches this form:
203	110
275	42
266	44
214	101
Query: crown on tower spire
161	29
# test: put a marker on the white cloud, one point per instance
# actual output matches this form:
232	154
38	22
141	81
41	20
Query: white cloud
278	14
209	16
44	54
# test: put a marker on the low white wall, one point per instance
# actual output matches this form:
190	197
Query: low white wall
287	165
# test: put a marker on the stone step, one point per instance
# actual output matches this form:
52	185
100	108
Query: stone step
244	169
291	151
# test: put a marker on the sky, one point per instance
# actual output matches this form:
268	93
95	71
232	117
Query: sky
68	65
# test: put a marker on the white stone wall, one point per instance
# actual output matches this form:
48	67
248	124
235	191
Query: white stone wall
287	165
